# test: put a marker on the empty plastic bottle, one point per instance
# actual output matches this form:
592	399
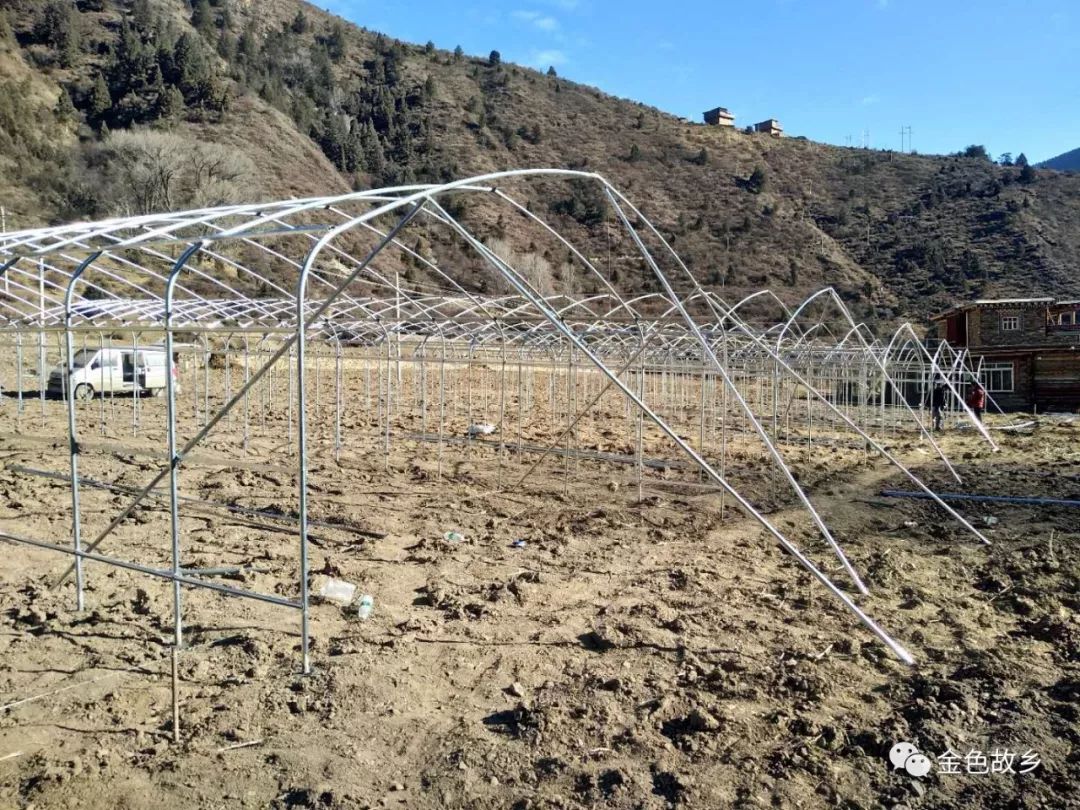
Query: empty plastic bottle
366	606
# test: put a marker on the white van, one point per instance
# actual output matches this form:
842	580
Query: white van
114	370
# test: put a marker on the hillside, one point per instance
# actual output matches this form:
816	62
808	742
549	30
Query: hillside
291	101
1065	162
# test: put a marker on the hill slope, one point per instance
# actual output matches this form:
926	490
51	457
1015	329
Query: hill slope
1065	162
305	103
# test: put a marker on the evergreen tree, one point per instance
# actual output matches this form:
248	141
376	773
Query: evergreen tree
1021	160
494	58
100	100
300	23
193	75
551	71
65	109
141	15
458	53
58	27
170	103
1027	174
757	180
202	17
372	151
334	41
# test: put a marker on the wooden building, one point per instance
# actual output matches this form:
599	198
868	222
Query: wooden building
1028	348
719	117
769	126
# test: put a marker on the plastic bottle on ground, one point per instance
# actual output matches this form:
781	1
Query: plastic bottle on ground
365	607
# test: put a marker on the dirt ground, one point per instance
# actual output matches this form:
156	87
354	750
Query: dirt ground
630	654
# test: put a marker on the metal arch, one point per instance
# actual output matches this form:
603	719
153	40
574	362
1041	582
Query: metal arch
592	322
301	439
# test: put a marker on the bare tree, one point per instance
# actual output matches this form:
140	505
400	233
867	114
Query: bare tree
147	170
534	268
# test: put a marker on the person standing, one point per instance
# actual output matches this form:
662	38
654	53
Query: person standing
976	400
938	397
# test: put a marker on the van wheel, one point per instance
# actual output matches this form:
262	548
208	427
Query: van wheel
84	391
157	392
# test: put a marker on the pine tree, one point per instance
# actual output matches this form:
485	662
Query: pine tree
170	103
494	58
458	53
202	17
58	27
141	15
1021	160
756	181
335	41
65	109
551	71
100	100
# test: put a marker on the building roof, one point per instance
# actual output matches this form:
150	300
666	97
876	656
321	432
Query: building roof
720	110
995	302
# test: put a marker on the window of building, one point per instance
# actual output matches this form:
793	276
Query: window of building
1010	323
997	377
1068	318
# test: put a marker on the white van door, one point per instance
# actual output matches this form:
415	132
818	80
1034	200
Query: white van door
128	371
109	375
152	367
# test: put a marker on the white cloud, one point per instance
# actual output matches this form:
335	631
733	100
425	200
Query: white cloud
866	101
882	3
543	22
549	57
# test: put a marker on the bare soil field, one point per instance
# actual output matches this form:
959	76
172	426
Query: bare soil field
649	653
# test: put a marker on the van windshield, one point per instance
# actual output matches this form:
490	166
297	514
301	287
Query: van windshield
82	357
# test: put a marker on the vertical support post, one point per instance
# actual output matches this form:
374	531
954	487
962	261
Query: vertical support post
42	382
337	398
292	396
175	695
73	444
170	434
247	393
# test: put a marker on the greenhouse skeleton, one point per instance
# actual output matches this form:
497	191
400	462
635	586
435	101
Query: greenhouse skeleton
680	359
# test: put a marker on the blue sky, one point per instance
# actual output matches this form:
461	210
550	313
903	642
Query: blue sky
1004	73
